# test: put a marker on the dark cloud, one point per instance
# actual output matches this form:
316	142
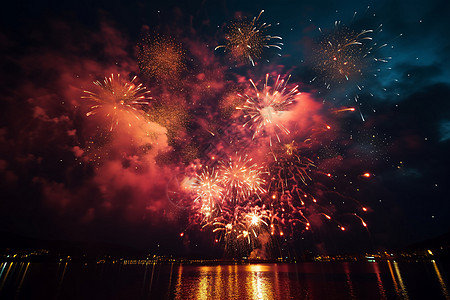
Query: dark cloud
44	134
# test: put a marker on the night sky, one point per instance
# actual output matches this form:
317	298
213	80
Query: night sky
65	176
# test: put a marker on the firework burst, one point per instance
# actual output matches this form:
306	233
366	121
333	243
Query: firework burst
241	179
208	189
347	57
240	226
265	110
340	55
246	40
115	96
160	57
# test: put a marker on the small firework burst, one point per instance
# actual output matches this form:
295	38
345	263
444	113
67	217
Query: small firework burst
347	58
340	54
117	95
160	57
241	179
256	217
246	39
265	110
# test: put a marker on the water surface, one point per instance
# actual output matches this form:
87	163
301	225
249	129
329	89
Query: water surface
324	280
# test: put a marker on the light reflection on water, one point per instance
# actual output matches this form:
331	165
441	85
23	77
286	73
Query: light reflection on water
403	292
381	290
260	286
66	280
441	280
349	281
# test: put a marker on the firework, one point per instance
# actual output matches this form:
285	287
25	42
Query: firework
160	57
115	96
291	191
254	222
208	188
265	110
246	39
341	54
228	226
348	57
289	168
288	215
288	188
256	217
241	179
227	202
240	226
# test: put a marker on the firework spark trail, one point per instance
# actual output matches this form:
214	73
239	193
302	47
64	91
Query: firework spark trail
288	166
117	95
344	109
291	193
287	213
265	111
247	39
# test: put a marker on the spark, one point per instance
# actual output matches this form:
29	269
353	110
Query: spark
361	219
257	217
344	109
